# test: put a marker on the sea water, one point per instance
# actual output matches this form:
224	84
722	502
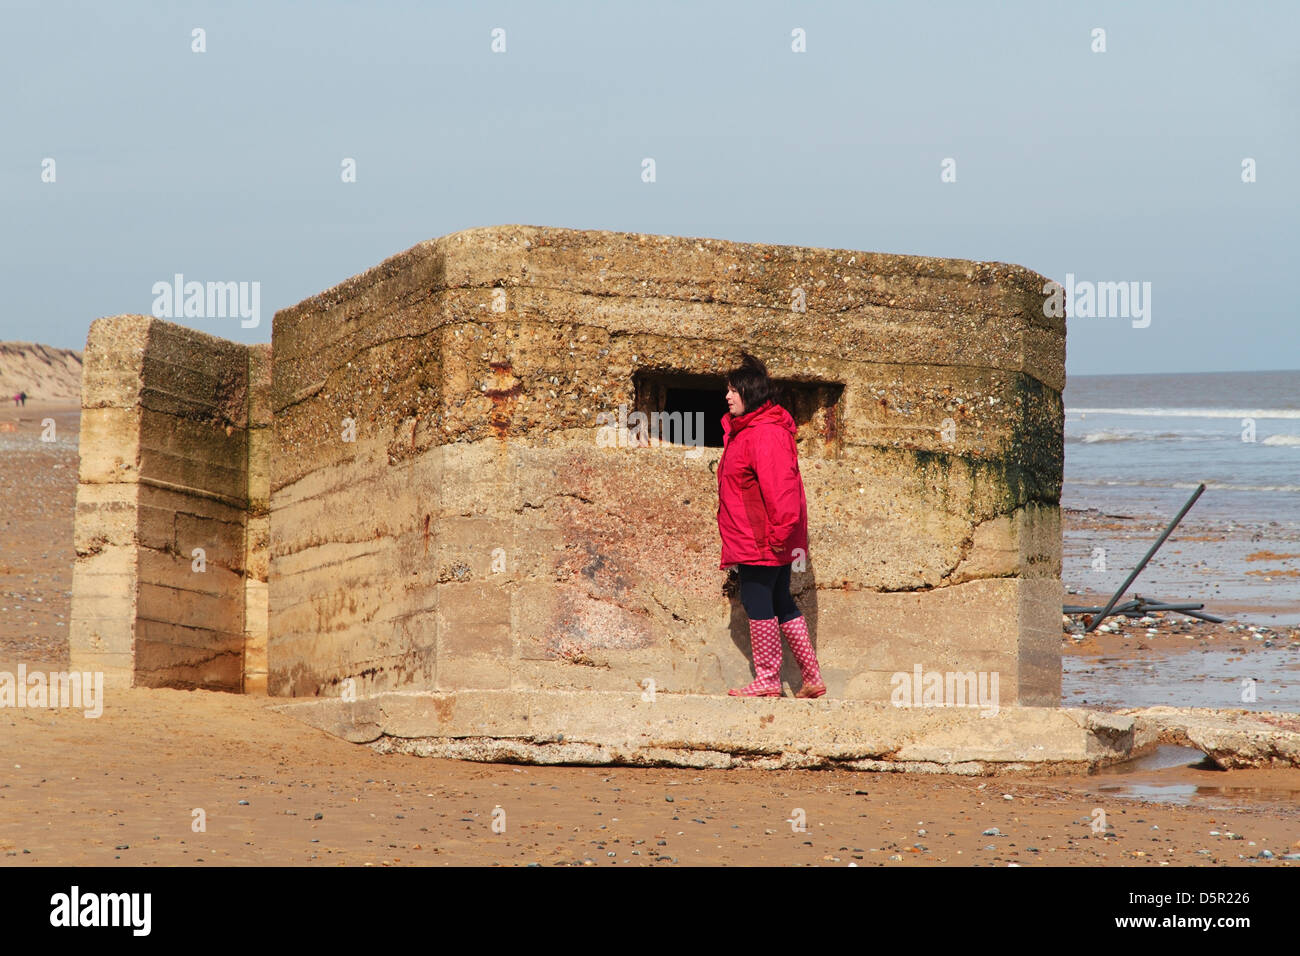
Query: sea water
1142	443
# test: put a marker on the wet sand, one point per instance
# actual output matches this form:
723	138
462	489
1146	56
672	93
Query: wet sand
121	789
1246	571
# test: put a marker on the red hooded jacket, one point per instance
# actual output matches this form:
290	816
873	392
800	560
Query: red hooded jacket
762	511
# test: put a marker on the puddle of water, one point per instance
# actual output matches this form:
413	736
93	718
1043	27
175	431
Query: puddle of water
1160	777
1215	798
1181	794
1162	758
1204	678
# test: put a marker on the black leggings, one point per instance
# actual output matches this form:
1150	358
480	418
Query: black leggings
765	592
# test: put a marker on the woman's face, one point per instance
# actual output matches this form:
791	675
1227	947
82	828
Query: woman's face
734	404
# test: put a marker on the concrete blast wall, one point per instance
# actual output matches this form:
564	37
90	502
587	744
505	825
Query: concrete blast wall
169	587
423	497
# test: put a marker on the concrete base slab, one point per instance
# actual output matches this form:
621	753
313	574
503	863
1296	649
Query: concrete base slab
1231	738
686	730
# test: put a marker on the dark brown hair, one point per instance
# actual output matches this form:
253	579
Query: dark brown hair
752	382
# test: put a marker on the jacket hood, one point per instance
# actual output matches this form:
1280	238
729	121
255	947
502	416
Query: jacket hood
769	413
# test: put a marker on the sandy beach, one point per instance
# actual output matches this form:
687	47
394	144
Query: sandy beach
122	789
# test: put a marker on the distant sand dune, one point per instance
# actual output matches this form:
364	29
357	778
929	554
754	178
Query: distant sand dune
46	374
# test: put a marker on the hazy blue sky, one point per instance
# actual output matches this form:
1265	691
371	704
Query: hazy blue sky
225	165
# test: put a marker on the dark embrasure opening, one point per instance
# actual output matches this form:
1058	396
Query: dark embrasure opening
813	405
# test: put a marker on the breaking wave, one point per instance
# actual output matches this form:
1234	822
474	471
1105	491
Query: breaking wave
1120	434
1191	412
1210	485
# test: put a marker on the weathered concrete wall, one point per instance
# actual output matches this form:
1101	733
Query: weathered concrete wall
466	531
165	471
257	532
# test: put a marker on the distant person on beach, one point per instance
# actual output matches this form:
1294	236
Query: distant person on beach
15	399
22	397
763	522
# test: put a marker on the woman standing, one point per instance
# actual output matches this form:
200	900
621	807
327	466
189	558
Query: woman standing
763	521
